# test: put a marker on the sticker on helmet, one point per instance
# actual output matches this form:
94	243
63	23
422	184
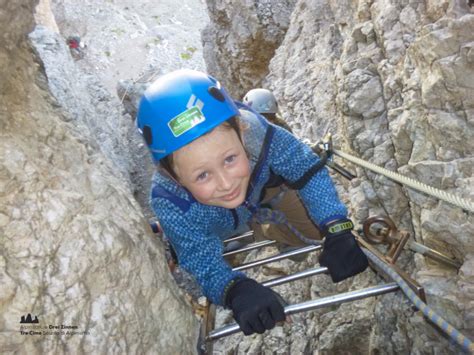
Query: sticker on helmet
186	120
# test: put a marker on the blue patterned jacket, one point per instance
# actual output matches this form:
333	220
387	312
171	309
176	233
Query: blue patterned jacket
196	231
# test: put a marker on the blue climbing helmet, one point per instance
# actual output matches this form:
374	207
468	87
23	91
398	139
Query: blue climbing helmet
180	107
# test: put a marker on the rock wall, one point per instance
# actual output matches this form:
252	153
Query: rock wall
125	45
134	41
241	38
75	248
92	110
44	16
393	81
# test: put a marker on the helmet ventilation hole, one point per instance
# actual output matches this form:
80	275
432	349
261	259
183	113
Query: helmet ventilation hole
147	135
216	93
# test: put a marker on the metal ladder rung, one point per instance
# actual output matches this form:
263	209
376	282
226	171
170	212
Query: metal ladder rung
242	236
252	246
303	250
315	304
296	276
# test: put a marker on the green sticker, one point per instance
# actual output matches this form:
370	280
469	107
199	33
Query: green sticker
186	120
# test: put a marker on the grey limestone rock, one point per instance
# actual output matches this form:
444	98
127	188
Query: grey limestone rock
241	38
76	250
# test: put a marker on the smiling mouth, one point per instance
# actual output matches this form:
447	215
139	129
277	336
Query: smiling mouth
232	195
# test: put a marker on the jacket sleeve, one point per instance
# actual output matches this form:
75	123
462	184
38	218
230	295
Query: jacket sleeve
199	252
291	159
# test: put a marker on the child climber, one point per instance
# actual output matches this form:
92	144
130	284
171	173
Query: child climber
220	164
264	102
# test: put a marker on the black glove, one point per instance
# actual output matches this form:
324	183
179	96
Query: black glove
341	253
255	307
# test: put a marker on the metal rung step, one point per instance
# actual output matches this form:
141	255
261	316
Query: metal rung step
296	276
252	246
315	304
270	259
242	236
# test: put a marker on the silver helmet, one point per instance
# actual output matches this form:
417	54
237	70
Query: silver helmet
261	100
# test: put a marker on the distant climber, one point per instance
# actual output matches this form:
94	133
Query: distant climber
76	46
264	102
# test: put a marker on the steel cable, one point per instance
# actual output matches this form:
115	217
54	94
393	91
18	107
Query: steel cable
414	184
446	327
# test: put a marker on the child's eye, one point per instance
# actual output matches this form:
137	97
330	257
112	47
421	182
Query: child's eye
202	176
230	158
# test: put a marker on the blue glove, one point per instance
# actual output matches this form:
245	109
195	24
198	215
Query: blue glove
341	254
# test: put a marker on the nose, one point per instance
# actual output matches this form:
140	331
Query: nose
224	181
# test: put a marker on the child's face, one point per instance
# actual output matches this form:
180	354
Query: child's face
214	168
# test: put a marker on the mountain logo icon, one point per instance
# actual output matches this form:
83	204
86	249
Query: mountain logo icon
29	319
